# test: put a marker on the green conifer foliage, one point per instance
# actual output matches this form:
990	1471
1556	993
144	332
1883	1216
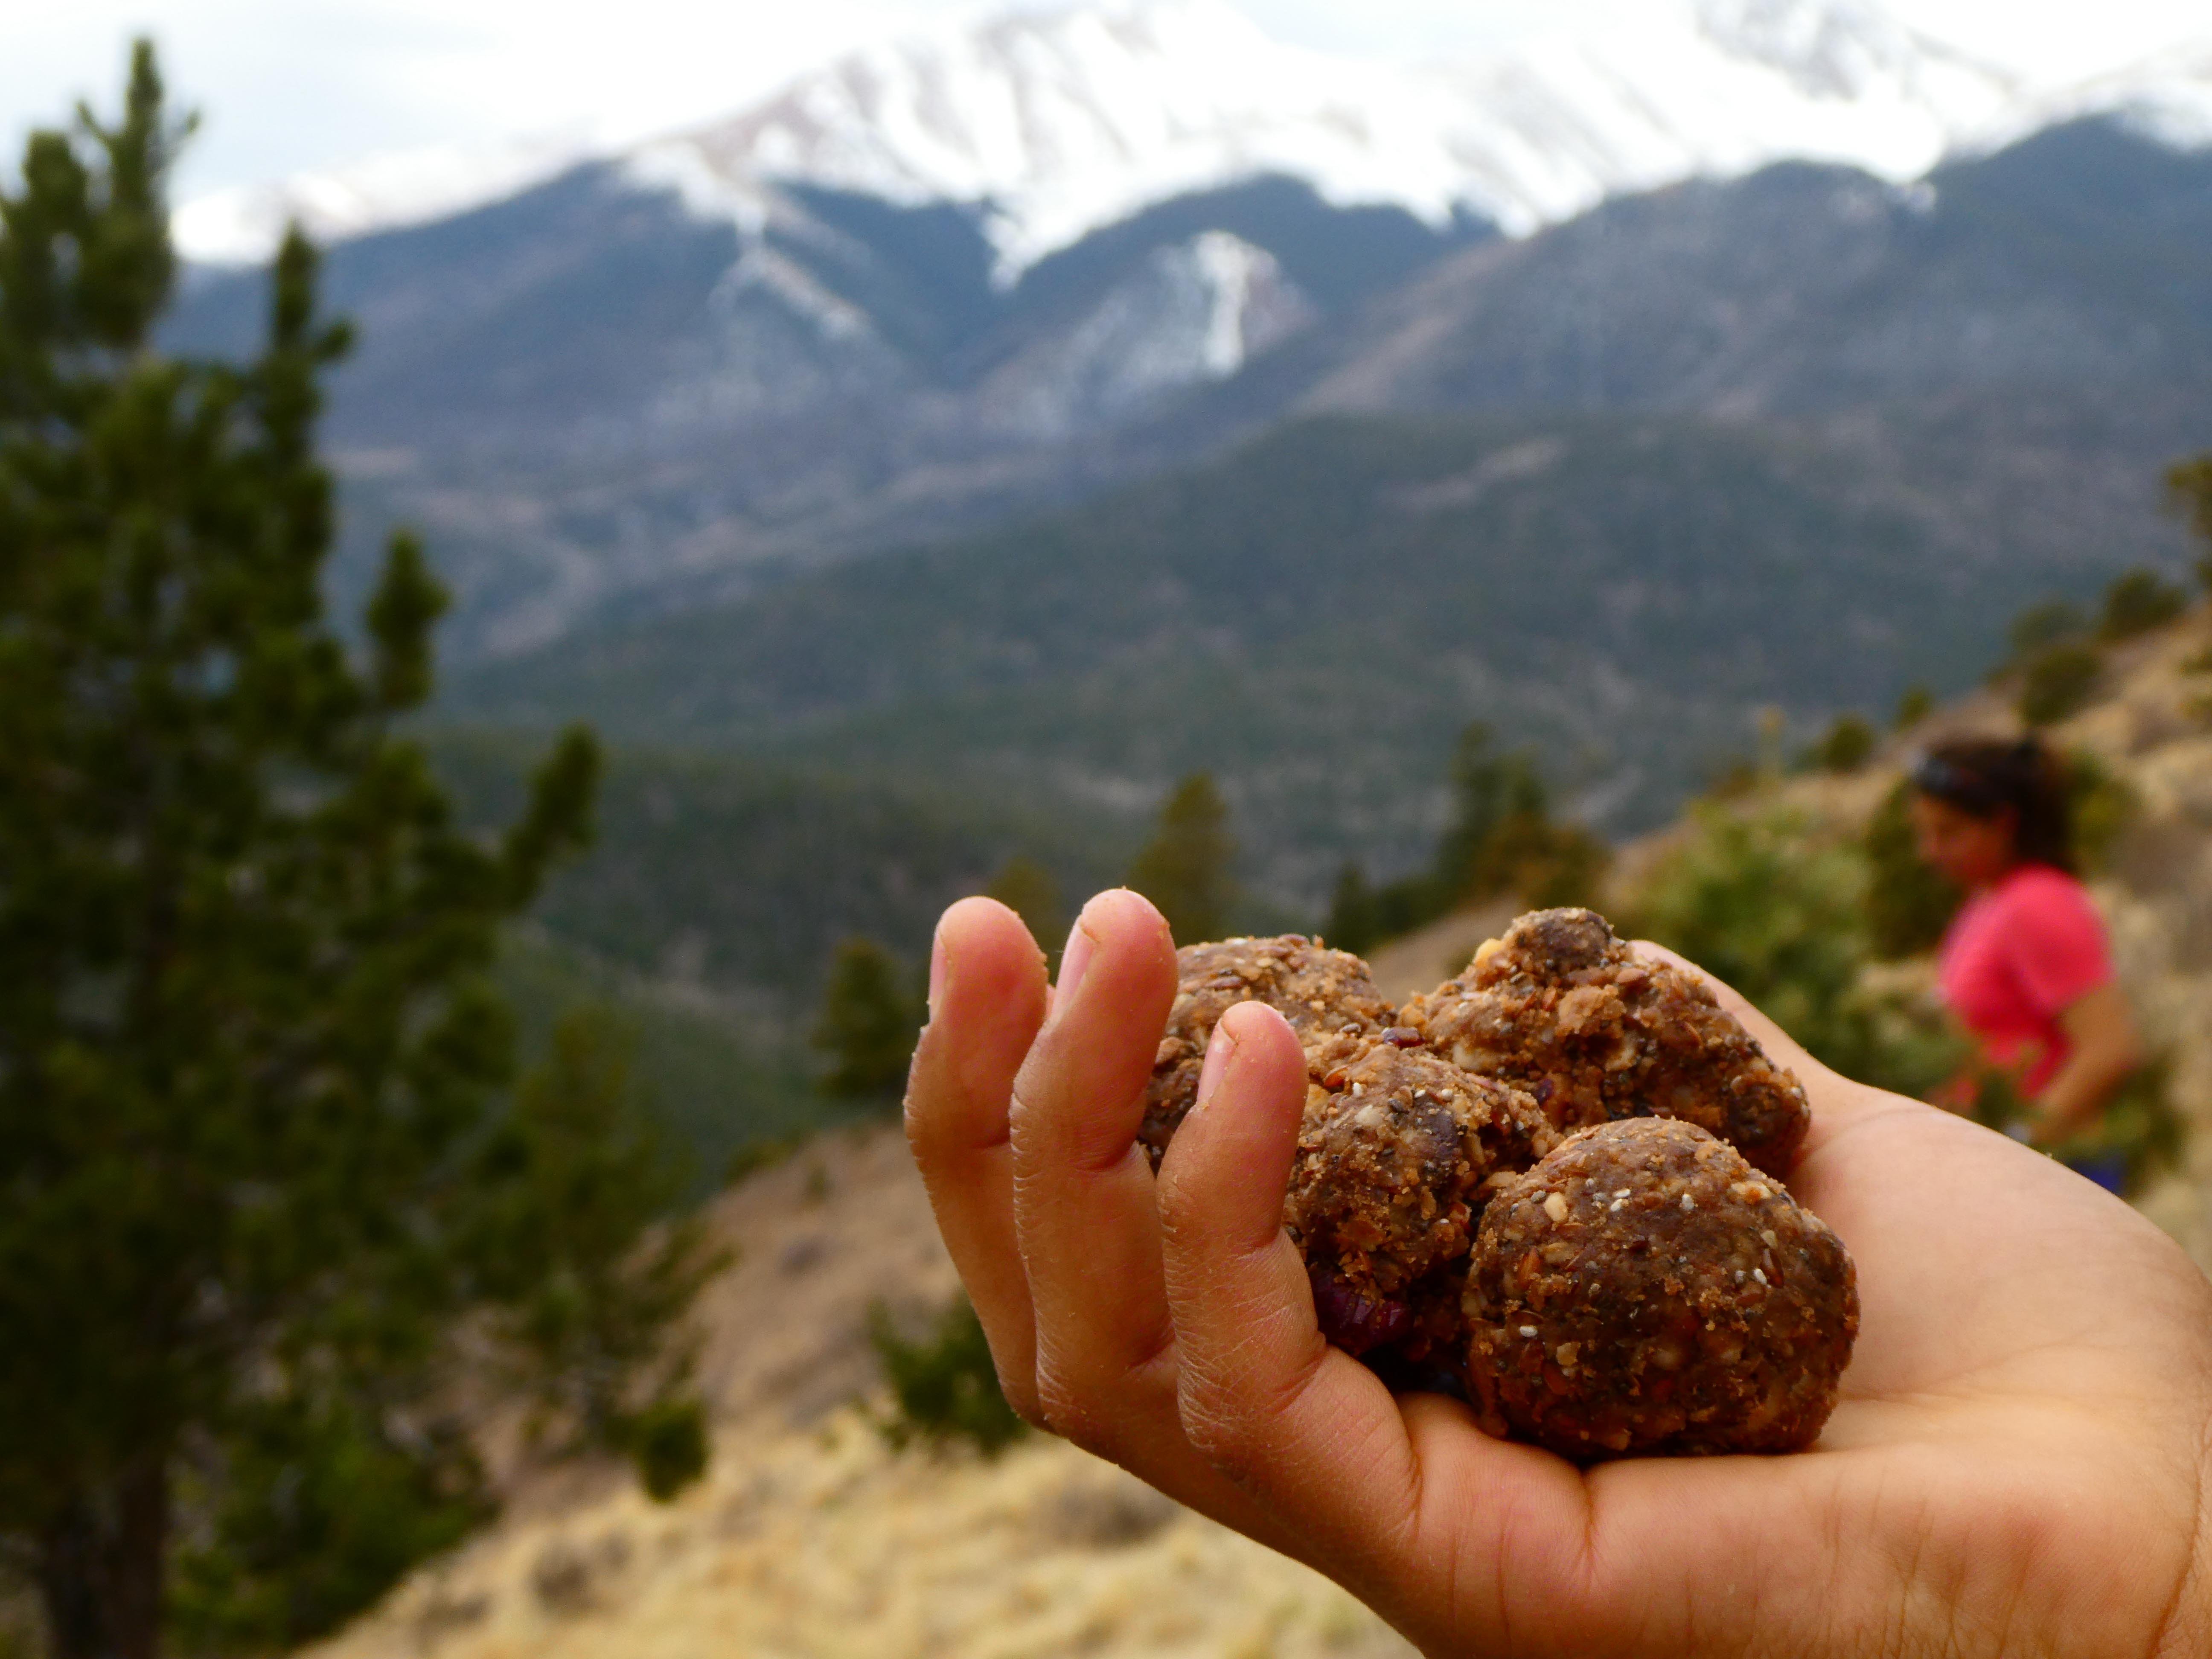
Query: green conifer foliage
2042	626
1504	839
2137	601
1354	923
248	1036
1846	745
1779	911
586	1306
1501	839
1026	888
870	1021
2188	491
944	1388
1486	787
1908	904
1185	869
321	1509
2058	682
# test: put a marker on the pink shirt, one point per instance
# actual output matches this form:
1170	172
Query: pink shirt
2017	956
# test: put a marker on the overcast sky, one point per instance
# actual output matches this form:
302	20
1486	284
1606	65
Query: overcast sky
286	85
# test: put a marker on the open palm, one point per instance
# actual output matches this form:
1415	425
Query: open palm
2016	1466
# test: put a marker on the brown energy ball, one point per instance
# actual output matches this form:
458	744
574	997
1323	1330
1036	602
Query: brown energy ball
1643	1290
1327	995
1393	1159
1562	1008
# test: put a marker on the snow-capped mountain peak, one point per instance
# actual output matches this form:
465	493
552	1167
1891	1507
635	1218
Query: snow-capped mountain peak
1826	48
1058	122
1055	123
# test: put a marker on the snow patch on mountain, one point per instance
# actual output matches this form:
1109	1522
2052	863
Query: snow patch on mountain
1195	310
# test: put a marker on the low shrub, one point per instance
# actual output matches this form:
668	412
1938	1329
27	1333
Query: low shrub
2137	601
669	1445
945	1390
1779	910
2057	683
1846	745
1908	905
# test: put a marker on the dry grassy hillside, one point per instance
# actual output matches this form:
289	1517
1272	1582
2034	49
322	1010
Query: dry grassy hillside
810	1539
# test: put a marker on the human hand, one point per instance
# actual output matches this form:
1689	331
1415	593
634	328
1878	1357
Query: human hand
2017	1465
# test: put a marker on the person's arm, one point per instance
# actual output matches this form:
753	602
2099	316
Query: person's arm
2105	1050
2018	1465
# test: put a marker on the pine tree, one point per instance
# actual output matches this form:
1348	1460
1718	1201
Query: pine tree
1185	869
1485	788
582	1176
1353	922
2188	490
2137	601
1847	745
869	1024
1503	838
247	1035
1026	888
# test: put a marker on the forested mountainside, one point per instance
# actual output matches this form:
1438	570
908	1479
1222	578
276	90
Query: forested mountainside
737	875
1315	617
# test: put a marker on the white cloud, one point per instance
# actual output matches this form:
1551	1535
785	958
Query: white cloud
292	84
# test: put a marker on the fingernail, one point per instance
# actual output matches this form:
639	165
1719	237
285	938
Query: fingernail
939	968
1218	1048
1073	961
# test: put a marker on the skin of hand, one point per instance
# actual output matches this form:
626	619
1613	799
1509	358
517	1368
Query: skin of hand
2017	1466
2103	1049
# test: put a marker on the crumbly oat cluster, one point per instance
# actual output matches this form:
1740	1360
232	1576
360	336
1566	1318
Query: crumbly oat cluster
1327	995
1643	1290
1563	1008
1632	1288
1394	1157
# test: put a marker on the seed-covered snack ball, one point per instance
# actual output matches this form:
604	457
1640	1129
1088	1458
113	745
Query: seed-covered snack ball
1327	995
1394	1158
1563	1008
1644	1290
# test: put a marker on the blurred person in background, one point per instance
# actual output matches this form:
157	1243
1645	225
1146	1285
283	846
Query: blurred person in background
2025	964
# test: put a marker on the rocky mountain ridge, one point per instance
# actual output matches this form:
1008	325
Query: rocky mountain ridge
598	406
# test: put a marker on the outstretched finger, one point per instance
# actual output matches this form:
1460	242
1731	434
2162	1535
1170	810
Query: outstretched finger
1384	1495
1312	1434
1083	1190
987	1001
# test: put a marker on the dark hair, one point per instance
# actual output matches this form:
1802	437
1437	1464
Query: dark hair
1984	777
